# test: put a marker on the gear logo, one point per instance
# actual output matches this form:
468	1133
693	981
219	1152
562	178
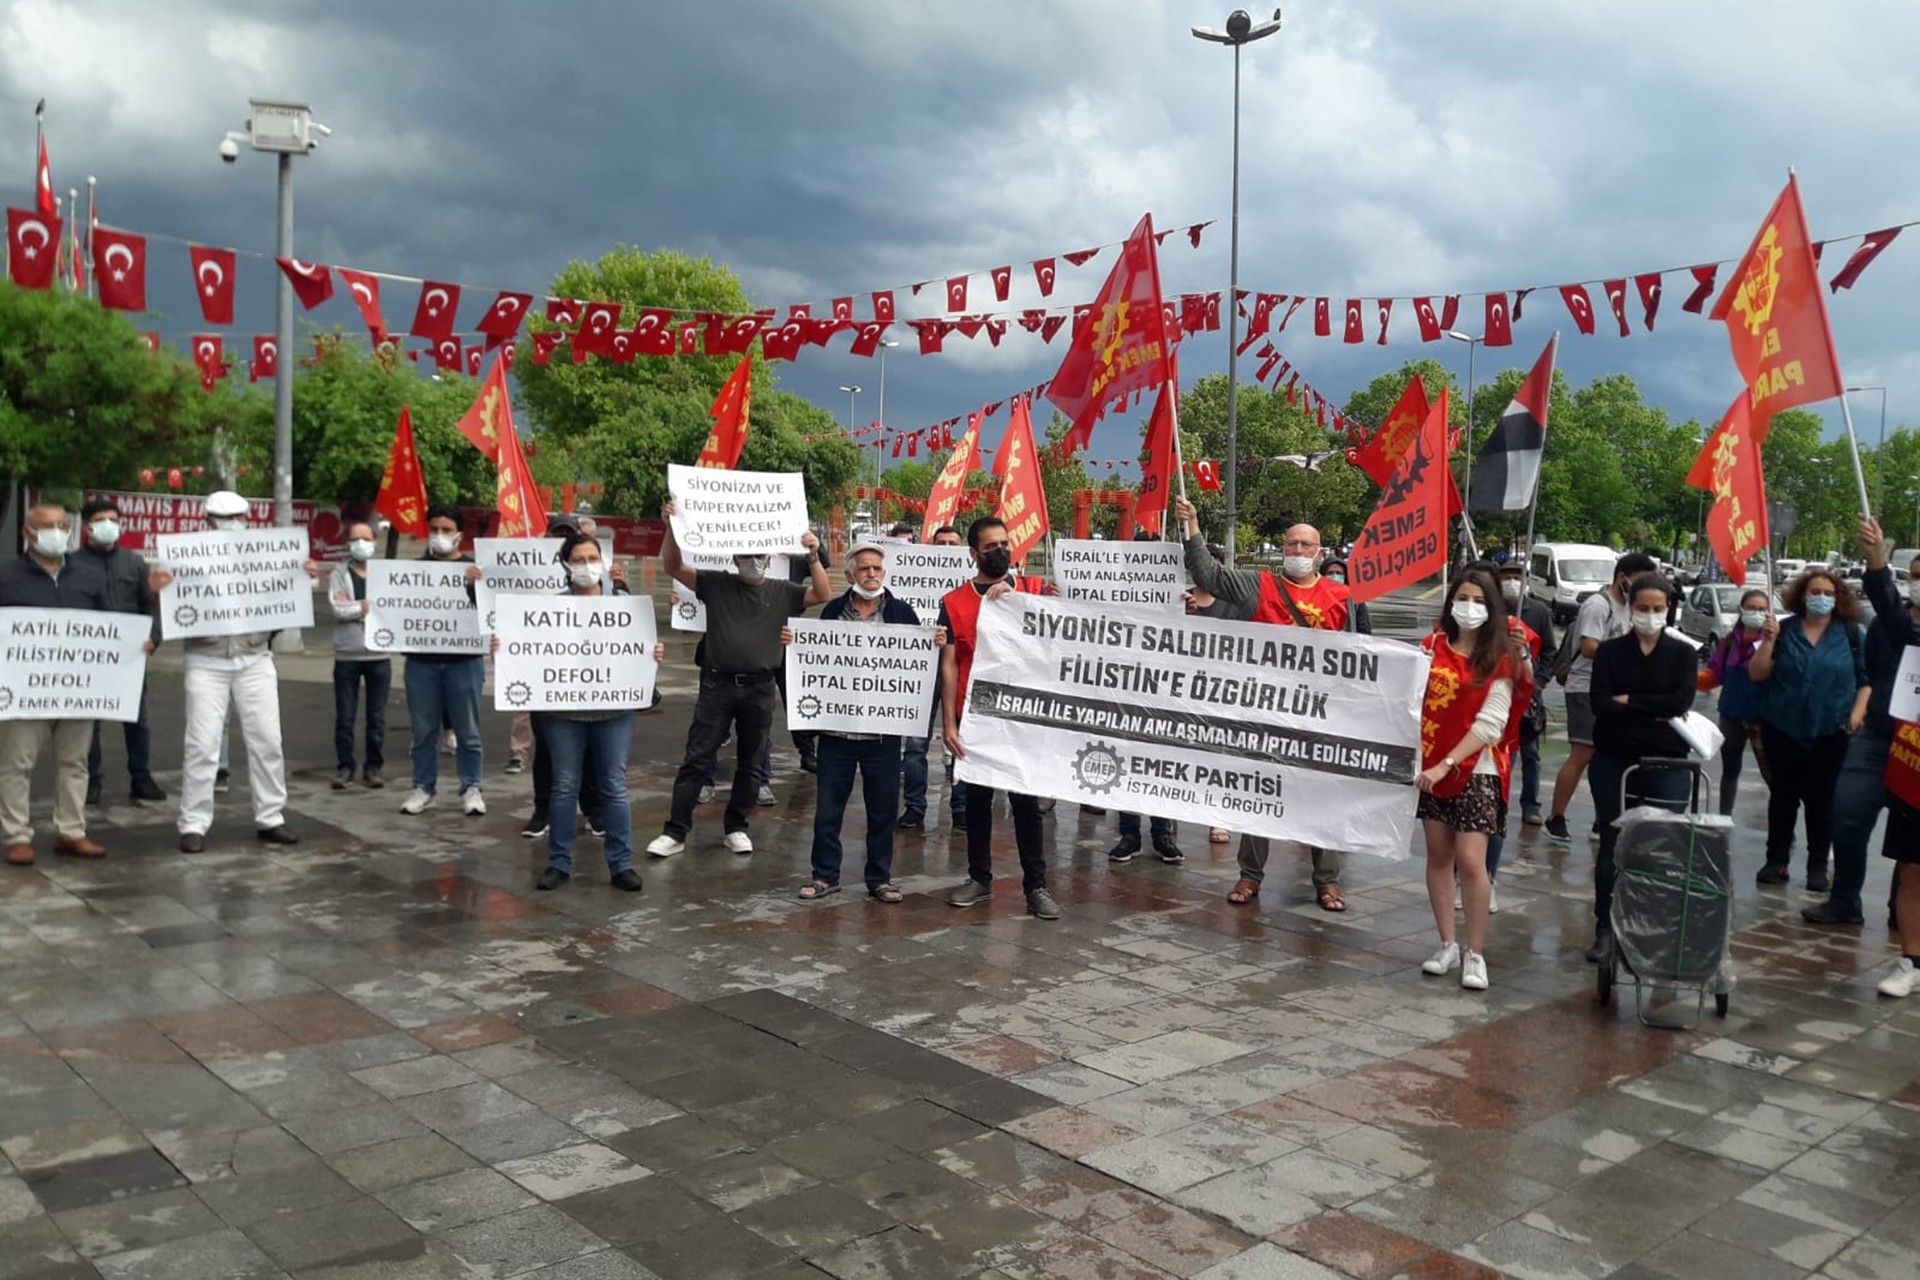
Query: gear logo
1445	687
490	617
808	706
383	638
693	538
1097	768
687	610
519	693
186	615
6	697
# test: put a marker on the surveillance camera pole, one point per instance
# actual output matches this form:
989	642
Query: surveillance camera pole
283	355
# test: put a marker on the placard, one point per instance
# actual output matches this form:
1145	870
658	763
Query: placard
72	664
229	582
689	612
849	676
1906	686
573	653
522	566
1285	732
921	573
1149	575
737	513
421	606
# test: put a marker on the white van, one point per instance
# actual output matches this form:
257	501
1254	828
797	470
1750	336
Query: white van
1562	574
1785	571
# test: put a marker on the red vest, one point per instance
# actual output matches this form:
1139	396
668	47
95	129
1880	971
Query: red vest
1453	699
962	605
1323	605
1522	698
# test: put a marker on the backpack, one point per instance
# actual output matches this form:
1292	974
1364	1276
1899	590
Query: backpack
1564	653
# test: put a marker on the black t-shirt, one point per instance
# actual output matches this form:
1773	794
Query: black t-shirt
1660	686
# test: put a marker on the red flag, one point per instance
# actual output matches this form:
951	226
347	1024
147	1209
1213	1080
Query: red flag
1023	498
1429	322
311	281
206	358
446	355
544	343
1869	250
152	339
1449	310
489	419
731	419
1776	316
1499	328
1002	282
364	288
1356	328
1729	467
1617	299
843	310
1650	288
1386	311
502	320
866	337
1124	349
1081	257
474	355
782	343
1405	538
43	197
517	498
943	501
266	357
564	310
1703	278
33	248
1322	318
213	282
1579	306
597	328
403	487
434	314
120	269
1206	473
1156	473
1380	455
883	306
1043	273
957	293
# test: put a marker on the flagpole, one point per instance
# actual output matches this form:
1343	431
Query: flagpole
1853	448
92	284
73	237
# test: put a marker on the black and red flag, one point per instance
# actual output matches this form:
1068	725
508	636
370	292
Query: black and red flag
1508	469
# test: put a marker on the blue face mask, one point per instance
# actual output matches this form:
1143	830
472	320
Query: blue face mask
1819	606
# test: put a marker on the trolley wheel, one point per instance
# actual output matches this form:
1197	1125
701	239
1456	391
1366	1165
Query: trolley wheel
1720	1004
1604	976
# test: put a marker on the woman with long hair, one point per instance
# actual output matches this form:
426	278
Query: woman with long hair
1740	719
1468	701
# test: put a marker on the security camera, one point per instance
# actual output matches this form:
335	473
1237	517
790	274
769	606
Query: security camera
229	150
1239	22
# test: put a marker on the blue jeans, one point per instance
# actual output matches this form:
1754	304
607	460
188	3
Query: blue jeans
1858	797
1668	788
1130	827
913	773
1496	845
1529	780
572	744
878	762
139	746
445	693
348	675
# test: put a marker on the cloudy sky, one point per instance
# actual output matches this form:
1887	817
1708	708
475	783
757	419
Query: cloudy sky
1393	147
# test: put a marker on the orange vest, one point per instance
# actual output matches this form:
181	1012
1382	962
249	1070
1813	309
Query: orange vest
1323	605
1453	699
963	625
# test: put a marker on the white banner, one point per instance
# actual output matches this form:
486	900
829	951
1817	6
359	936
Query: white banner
921	574
1280	731
231	582
72	664
861	677
421	606
1906	686
573	653
737	513
688	612
521	567
1147	574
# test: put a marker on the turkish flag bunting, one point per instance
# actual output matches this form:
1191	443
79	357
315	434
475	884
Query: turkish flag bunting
1429	322
1405	538
957	293
1869	250
866	337
932	334
1579	306
1322	318
843	310
436	312
1052	326
1386	310
43	197
970	326
1649	288
1082	257
1499	329
1125	349
564	310
1002	282
489	419
33	248
1269	360
517	498
776	344
1291	308
266	357
1776	316
597	326
120	269
1519	300
883	306
152	337
312	282
689	337
1729	467
1206	473
206	357
474	356
1213	312
1449	310
1023	498
620	347
1253	336
446	355
653	332
507	355
1043	273
213	282
913	445
1617	299
1193	312
544	343
502	320
364	288
800	311
996	330
1703	278
403	486
943	502
730	419
1032	318
1193	232
1262	318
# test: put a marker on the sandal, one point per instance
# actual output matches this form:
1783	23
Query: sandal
1218	835
1244	892
888	893
817	889
1330	899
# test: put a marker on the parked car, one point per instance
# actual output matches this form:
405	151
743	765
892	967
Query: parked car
1786	570
1707	613
1562	574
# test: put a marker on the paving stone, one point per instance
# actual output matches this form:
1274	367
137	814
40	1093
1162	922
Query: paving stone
813	1220
684	1141
329	1133
80	1183
898	1251
436	1205
732	1182
90	1139
226	1254
1267	1261
646	1209
521	1241
416	1075
391	1164
203	1155
245	1201
1173	1239
608	1264
331	1233
572	1171
512	1137
137	1222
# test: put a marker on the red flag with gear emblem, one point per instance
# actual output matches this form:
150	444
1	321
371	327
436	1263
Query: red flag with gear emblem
1405	538
1123	348
1023	497
731	419
1729	467
403	487
516	496
490	418
943	501
1776	316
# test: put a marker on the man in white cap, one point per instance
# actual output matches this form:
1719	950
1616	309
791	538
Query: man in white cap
238	672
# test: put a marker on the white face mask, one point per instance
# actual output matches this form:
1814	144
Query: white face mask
869	593
587	575
443	544
1512	590
1471	615
1913	592
1299	568
105	534
1649	624
50	543
1753	619
750	569
361	549
231	524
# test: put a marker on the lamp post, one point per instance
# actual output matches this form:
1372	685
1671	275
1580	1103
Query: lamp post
1241	30
886	344
874	504
1466	488
285	129
1879	453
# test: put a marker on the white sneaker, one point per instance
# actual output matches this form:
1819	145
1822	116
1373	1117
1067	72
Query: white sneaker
665	846
1473	971
1445	960
1493	899
472	803
419	802
766	794
739	842
1902	982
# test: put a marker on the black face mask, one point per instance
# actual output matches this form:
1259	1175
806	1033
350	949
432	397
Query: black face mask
995	563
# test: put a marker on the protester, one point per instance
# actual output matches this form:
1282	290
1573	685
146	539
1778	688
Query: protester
1201	603
599	738
355	665
1303	597
539	822
1359	617
902	530
45	578
1533	726
1641	682
742	656
234	672
1602	617
804	740
445	688
992	552
129	590
1470	689
913	758
1860	791
1527	706
1740	707
1813	671
875	756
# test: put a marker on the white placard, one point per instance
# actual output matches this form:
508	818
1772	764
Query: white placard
849	676
1906	686
921	574
1280	731
522	566
689	612
421	606
229	582
72	664
1148	575
573	653
737	513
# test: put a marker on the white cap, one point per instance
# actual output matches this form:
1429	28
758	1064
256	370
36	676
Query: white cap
867	544
225	502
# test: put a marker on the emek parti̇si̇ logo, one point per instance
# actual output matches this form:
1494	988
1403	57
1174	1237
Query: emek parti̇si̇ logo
1097	768
808	706
186	615
519	693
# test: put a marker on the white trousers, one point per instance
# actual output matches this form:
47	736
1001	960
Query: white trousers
251	686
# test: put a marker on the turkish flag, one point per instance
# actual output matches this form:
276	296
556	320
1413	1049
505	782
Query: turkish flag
1386	311
843	310
1729	467
731	419
1499	328
1081	257
435	313
783	343
33	248
516	497
1023	497
597	327
1356	327
312	282
213	282
866	337
473	361
1863	256
1002	282
943	502
1322	318
932	333
403	487
564	310
206	357
1160	465
489	419
266	357
502	320
43	197
653	332
120	269
1043	273
883	306
1617	299
957	293
1050	326
689	337
1405	539
1449	311
152	339
446	355
1703	278
1579	306
1649	287
1206	473
364	288
620	348
1776	315
1124	348
544	343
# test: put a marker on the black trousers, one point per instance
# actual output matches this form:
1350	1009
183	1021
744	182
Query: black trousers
590	798
748	710
1802	776
1027	836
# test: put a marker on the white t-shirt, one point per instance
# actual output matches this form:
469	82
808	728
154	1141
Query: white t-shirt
1601	618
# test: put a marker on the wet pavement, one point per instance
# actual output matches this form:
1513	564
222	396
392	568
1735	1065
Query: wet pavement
381	1054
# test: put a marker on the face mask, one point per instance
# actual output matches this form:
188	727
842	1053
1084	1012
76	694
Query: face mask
361	549
751	570
995	563
105	534
1649	624
1470	614
230	523
1512	591
443	544
586	575
1337	576
1913	592
1753	619
869	593
1819	606
1297	567
51	543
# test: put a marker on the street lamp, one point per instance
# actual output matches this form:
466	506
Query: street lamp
851	393
1241	30
1879	453
886	345
1466	489
287	130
